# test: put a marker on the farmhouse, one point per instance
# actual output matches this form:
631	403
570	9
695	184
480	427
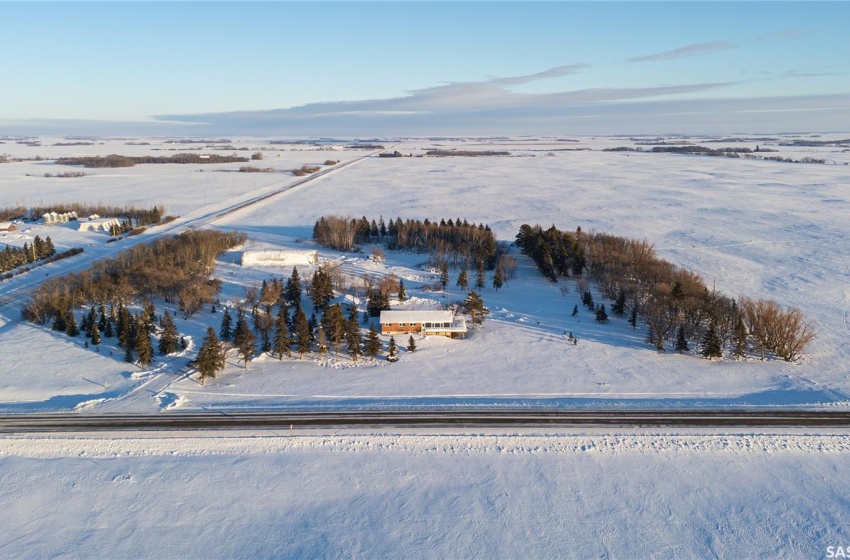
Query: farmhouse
7	226
280	258
442	323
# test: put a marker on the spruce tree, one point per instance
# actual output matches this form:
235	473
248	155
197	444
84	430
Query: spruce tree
373	342
243	339
108	332
619	307
353	338
125	328
739	338
402	293
281	344
169	340
681	341
321	289
59	323
334	324
411	344
102	320
444	275
293	288
143	345
587	300
71	328
95	334
633	317
301	328
575	311
128	355
462	281
210	356
601	314
474	307
392	351
225	333
498	279
480	279
712	344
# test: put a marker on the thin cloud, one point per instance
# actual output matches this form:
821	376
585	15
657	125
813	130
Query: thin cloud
551	73
454	99
807	113
683	52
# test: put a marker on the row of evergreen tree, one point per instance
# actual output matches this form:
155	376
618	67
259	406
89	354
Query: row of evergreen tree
674	302
286	333
447	240
13	257
132	331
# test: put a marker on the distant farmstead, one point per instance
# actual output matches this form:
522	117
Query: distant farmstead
7	226
280	258
441	323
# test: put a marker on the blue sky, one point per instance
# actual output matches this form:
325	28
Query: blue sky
408	68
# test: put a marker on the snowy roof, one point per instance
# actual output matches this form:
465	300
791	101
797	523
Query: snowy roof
414	316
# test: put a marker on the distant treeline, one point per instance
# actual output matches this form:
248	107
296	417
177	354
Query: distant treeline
136	216
176	268
465	153
845	143
114	160
721	152
447	241
198	141
364	147
674	302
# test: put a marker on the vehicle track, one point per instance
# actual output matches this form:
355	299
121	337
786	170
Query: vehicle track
481	418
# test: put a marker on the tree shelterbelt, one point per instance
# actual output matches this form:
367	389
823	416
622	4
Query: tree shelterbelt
673	302
449	240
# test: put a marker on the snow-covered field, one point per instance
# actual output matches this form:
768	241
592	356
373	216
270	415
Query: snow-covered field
514	495
757	228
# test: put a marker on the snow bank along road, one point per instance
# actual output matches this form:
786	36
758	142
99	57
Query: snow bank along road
425	418
14	294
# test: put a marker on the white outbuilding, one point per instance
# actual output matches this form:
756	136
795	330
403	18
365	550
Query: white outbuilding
99	225
280	258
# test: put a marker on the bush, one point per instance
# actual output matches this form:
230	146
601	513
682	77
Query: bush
305	170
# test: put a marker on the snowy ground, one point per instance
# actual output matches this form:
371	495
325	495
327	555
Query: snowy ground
514	495
762	229
756	228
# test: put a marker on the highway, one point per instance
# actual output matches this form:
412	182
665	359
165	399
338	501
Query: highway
432	418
